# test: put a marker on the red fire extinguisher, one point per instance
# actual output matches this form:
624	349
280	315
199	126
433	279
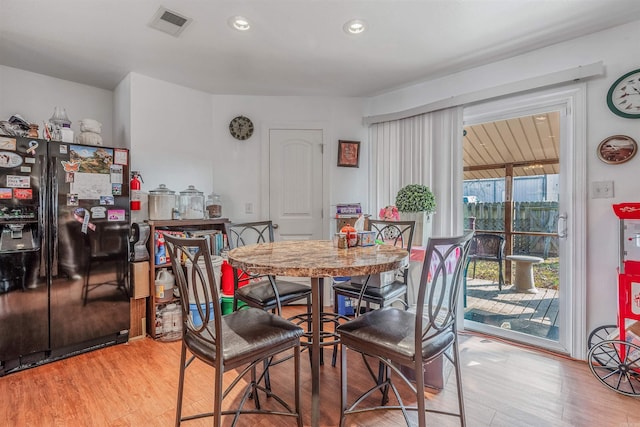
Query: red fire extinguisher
135	185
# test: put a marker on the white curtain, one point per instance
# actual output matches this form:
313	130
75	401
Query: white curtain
424	149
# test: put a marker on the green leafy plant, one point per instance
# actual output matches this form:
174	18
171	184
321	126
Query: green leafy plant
415	198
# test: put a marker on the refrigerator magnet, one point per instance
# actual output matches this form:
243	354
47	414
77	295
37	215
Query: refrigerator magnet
116	174
115	215
7	143
9	159
25	169
82	215
120	156
63	149
32	147
98	212
6	193
30	160
17	181
116	189
69	177
72	199
106	200
70	166
23	193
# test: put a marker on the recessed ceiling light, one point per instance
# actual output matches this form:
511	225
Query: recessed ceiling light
354	26
541	118
239	23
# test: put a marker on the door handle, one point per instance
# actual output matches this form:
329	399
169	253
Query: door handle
562	226
275	226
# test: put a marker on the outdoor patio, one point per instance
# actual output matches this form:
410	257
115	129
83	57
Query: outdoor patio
533	314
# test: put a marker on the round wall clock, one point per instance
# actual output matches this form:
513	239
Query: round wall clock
623	97
617	149
241	128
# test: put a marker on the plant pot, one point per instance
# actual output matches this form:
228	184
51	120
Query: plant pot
422	229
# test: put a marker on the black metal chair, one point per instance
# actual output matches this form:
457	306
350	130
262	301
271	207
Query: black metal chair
410	338
241	340
397	233
265	291
268	293
487	247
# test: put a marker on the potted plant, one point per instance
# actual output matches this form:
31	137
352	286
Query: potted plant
416	202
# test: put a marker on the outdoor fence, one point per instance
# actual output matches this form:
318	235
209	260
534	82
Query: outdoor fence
539	217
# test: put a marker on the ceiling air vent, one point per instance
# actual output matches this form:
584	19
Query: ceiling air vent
169	22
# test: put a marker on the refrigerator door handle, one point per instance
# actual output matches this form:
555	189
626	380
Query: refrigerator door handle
54	215
43	221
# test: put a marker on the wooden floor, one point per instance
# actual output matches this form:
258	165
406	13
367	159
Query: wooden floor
535	314
135	384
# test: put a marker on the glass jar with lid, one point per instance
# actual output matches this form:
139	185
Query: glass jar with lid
191	203
162	201
214	205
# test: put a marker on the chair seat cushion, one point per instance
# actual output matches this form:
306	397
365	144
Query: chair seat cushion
389	332
261	293
247	335
372	293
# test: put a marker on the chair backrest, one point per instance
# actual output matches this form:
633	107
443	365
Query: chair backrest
486	245
196	282
442	273
247	233
398	233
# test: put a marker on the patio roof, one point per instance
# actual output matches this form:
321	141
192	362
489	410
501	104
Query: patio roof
529	143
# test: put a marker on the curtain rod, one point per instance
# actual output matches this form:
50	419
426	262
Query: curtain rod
558	77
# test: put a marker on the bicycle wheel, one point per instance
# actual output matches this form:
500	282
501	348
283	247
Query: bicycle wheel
600	334
616	364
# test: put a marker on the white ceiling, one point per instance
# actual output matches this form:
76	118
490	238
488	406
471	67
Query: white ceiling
295	47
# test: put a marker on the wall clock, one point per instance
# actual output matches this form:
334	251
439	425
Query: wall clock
617	149
241	128
623	97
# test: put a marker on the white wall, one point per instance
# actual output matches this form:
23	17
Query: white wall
180	136
33	96
618	48
239	178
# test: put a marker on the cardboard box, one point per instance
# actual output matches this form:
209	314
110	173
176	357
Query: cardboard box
377	280
140	275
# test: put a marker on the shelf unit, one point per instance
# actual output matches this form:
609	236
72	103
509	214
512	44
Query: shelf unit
154	307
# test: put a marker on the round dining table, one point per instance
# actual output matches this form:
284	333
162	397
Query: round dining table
316	259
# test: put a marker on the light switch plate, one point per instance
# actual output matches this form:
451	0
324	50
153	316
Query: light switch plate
248	208
602	189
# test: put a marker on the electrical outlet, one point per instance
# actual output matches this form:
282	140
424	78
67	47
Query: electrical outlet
248	208
602	189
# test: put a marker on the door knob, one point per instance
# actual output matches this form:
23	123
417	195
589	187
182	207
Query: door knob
275	226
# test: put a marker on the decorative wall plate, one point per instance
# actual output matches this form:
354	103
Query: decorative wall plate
617	149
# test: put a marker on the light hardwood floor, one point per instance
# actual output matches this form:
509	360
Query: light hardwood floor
135	384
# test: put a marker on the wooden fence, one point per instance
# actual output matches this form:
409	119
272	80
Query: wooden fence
527	217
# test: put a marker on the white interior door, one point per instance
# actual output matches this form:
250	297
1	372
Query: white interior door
295	183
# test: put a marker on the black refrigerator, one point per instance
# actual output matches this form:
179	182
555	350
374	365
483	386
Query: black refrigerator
64	217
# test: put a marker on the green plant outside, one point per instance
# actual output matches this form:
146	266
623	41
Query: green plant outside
545	274
416	198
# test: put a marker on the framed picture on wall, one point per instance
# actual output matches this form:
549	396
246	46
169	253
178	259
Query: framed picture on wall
617	149
349	153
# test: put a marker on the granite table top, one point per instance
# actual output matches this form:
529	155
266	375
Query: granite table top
316	258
